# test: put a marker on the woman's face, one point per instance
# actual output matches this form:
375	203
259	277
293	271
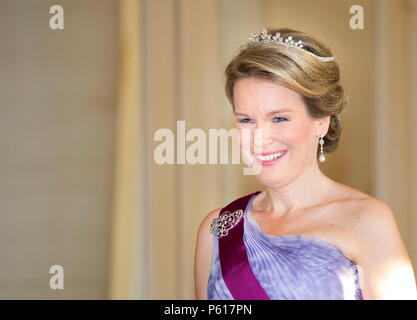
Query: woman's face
285	126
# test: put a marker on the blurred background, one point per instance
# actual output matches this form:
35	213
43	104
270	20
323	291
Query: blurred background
79	108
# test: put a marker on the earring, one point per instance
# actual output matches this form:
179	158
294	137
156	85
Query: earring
322	158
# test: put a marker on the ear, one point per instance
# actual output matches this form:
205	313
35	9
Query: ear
322	125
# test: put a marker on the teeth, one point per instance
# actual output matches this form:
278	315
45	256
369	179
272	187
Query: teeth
271	157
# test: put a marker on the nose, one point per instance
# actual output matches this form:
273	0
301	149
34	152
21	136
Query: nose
262	136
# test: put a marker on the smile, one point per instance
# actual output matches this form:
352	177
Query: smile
271	158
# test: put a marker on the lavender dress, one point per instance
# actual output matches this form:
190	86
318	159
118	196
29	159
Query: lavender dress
290	266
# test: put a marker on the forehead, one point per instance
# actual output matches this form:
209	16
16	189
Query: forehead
252	94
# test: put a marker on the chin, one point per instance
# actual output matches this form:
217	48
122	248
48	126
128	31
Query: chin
268	178
273	173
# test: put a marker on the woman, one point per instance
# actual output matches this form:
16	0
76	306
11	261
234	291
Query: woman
305	236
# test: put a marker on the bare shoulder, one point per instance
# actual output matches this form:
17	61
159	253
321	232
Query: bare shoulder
202	257
355	203
373	216
366	213
387	272
364	219
374	225
204	238
204	228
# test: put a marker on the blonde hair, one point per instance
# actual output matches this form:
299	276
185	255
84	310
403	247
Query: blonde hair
318	82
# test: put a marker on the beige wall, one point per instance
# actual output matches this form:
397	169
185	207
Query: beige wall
183	82
395	115
57	120
410	10
128	272
187	46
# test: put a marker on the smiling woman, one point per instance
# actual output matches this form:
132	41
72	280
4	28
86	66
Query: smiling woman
316	82
305	236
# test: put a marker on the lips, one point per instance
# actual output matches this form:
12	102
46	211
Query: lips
270	158
269	152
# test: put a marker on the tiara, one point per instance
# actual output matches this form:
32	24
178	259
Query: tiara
268	39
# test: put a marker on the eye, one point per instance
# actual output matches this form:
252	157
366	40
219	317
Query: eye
277	119
245	120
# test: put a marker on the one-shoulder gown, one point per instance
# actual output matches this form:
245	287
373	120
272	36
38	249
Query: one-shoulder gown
290	267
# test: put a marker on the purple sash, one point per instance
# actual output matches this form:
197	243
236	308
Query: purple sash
236	270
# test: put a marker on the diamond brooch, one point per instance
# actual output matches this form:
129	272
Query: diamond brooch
220	226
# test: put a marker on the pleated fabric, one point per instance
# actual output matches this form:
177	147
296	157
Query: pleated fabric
290	267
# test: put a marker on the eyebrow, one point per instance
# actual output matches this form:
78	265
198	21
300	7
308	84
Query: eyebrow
269	113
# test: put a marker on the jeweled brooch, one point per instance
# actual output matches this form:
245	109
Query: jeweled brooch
220	226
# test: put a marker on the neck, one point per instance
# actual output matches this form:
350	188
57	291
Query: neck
307	190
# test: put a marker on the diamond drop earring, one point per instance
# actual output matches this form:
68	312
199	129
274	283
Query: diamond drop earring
322	158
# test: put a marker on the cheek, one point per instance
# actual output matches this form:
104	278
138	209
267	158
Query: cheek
295	135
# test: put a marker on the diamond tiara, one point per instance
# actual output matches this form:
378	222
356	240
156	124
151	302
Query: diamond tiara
269	39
